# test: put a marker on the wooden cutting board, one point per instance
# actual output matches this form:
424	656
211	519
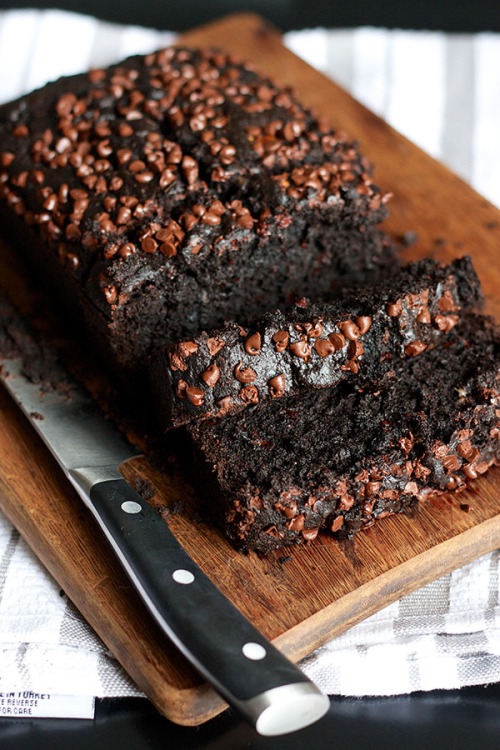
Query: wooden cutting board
324	588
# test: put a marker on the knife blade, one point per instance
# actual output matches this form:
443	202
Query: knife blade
219	641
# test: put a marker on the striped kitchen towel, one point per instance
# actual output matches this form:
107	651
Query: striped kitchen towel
440	90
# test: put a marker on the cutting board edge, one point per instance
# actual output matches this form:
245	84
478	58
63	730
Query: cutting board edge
188	706
434	563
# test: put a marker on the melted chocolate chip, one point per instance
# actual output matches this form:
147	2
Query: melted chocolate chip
211	375
349	329
296	524
424	316
337	523
470	471
252	344
186	348
416	347
355	349
244	375
313	330
323	347
363	323
309	534
249	394
451	463
394	309
337	340
281	339
445	322
446	303
194	395
300	349
214	345
277	386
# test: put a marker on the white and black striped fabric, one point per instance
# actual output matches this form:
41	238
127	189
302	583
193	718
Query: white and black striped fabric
443	92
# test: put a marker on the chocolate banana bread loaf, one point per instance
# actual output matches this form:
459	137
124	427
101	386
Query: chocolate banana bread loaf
341	458
357	337
170	192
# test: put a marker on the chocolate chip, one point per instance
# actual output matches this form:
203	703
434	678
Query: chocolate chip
411	488
245	375
352	366
451	463
309	534
470	471
195	396
406	444
349	329
198	122
466	450
416	347
124	215
168	249
394	309
149	245
292	130
72	232
124	155
249	394
143	177
301	349
445	322
337	523
65	104
363	323
446	303
324	347
167	176
355	349
187	348
6	158
110	292
212	219
280	339
211	375
313	330
50	204
190	170
116	183
252	344
296	524
127	250
424	316
214	345
337	340
345	502
371	488
289	511
277	386
227	154
224	405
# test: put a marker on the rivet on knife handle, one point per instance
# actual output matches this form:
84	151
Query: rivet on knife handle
242	665
238	661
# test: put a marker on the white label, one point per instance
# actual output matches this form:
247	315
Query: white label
26	704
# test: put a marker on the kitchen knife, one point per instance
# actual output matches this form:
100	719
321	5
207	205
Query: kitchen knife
242	665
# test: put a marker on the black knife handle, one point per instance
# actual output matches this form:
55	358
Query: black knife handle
211	632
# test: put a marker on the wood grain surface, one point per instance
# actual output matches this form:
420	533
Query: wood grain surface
325	587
